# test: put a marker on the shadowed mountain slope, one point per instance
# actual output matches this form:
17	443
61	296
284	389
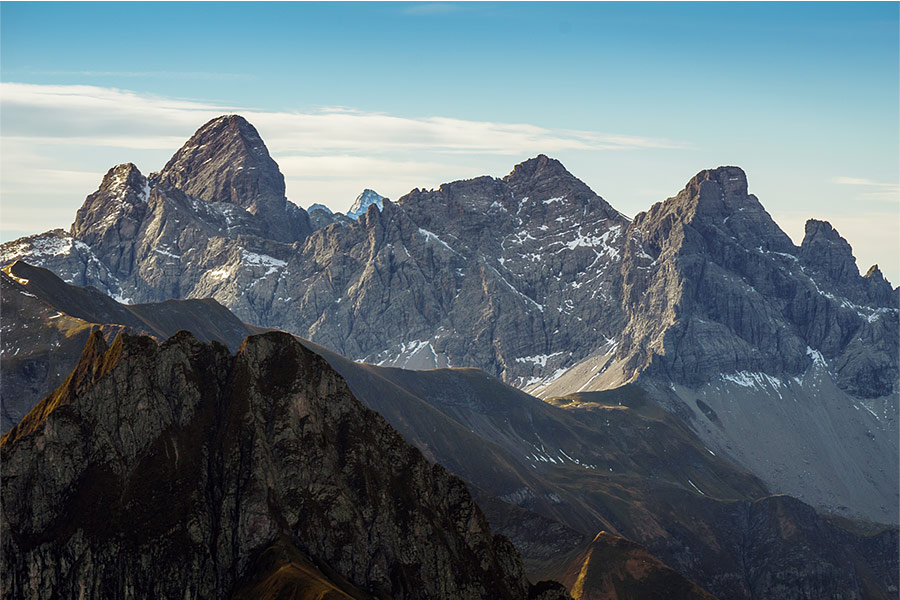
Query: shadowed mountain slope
172	468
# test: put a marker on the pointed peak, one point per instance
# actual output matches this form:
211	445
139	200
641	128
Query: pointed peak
539	167
227	161
362	203
824	250
820	234
222	133
123	178
717	194
874	273
321	207
228	123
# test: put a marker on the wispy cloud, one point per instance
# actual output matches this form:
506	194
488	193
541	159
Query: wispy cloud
192	75
871	190
58	140
109	116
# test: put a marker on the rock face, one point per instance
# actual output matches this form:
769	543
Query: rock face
527	276
218	206
172	470
524	267
391	291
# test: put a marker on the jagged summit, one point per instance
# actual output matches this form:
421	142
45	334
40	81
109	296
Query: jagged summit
828	256
874	273
362	203
824	250
112	215
126	181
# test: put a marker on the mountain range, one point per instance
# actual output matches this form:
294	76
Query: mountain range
692	361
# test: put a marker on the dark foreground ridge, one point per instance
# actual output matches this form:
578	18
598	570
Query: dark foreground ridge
181	470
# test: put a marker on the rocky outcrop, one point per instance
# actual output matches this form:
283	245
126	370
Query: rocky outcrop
216	211
111	217
494	258
170	470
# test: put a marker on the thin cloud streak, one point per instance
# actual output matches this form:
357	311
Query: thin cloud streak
871	190
58	140
103	114
204	75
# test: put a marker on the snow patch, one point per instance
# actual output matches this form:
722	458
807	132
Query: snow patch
538	359
755	380
817	357
222	273
253	259
429	236
167	253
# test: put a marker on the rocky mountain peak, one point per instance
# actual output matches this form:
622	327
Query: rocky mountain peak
543	175
113	214
824	250
716	203
546	181
126	182
362	203
874	273
227	161
731	180
539	167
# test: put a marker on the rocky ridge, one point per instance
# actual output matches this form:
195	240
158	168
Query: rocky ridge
266	449
527	276
47	322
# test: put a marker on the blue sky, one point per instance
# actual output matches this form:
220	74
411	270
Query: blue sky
634	98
